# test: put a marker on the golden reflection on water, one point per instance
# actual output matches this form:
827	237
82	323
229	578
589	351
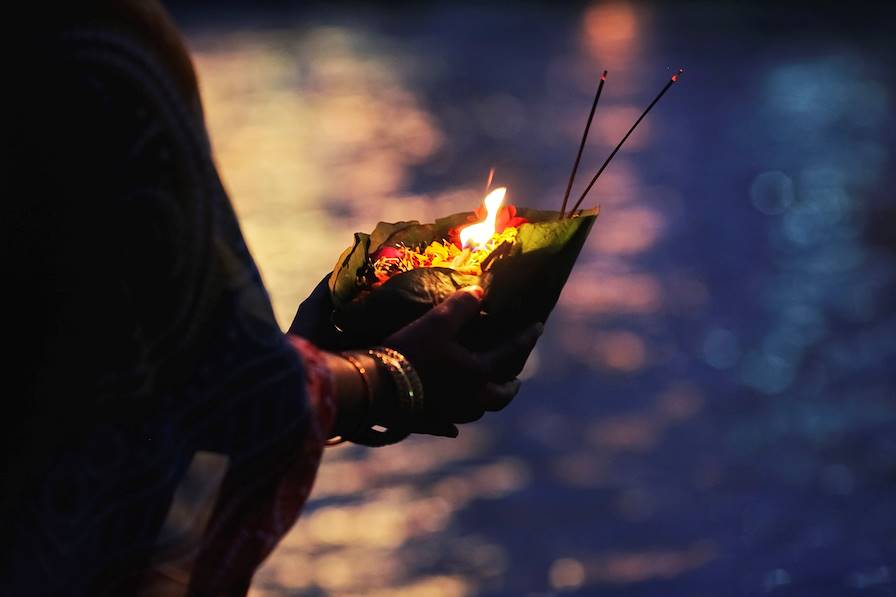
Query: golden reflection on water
634	230
614	122
408	493
611	34
317	133
641	431
314	134
629	293
616	568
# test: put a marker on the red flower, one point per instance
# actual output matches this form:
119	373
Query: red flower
506	217
388	252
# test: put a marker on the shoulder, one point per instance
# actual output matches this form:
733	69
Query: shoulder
139	29
99	69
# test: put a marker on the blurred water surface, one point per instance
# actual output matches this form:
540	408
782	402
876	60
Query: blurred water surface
712	410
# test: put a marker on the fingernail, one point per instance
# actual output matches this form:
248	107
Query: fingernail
475	290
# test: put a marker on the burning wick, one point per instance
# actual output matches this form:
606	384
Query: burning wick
479	233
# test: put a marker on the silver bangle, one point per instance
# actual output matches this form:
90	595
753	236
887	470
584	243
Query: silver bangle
405	377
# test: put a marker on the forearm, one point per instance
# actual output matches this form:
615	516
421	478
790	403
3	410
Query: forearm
355	387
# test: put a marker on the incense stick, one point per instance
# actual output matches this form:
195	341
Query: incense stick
634	126
575	165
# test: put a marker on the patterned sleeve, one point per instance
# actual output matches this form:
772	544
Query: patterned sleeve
168	432
247	529
319	385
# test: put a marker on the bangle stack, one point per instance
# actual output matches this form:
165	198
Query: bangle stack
404	376
409	391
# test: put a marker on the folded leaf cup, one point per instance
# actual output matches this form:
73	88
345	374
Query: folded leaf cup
522	279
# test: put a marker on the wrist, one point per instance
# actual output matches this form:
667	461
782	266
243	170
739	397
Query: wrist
405	404
376	387
365	393
381	391
351	395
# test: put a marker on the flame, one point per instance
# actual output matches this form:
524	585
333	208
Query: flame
479	233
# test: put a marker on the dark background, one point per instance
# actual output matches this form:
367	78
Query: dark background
713	406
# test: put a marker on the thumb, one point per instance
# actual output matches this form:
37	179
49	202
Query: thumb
447	318
313	315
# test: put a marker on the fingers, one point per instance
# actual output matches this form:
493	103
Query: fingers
312	319
465	363
446	319
467	413
505	362
492	397
495	397
439	429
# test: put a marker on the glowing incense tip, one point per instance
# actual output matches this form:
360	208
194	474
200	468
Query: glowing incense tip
479	233
676	75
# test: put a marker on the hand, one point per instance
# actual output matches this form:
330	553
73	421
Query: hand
313	319
460	385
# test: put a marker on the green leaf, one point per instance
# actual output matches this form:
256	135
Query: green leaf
384	230
401	300
443	225
551	235
346	280
525	286
520	288
537	215
416	236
